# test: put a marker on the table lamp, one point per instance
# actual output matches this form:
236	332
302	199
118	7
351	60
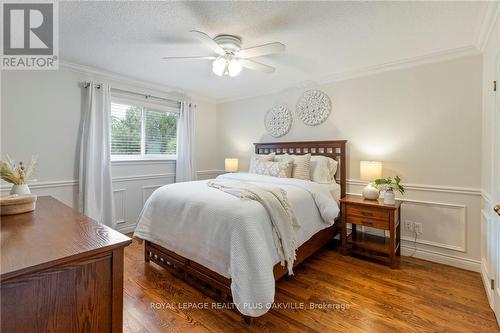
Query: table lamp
231	164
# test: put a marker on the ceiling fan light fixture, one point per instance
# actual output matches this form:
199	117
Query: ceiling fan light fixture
234	67
219	66
229	58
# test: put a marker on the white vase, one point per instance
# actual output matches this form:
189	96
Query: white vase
389	198
370	192
22	189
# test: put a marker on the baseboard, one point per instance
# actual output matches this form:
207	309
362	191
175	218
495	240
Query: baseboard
486	282
450	260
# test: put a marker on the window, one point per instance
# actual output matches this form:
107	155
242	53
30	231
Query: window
142	132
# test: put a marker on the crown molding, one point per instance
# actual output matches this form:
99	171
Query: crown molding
124	79
491	14
435	57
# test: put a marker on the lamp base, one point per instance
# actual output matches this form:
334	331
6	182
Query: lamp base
370	192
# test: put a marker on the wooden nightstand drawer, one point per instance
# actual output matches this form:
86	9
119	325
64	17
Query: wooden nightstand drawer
368	222
367	212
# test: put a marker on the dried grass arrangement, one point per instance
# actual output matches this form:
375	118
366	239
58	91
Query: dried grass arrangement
17	174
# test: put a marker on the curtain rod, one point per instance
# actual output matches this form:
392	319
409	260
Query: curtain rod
147	96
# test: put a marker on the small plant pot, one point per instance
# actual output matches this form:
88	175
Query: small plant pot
389	198
22	189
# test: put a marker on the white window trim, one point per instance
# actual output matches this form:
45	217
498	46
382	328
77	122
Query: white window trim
142	157
150	157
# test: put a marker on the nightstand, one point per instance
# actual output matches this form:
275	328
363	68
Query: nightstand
358	212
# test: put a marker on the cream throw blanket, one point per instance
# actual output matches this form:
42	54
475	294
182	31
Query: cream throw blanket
274	200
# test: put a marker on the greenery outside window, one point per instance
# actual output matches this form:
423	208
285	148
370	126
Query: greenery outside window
141	132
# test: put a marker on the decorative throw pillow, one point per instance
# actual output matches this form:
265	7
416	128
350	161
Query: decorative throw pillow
281	169
301	165
255	158
323	169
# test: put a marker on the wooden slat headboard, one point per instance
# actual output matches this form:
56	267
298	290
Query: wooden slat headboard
334	149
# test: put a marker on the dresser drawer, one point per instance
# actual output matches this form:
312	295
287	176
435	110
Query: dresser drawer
366	212
368	222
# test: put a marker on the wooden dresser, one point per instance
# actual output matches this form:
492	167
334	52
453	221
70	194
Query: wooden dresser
60	272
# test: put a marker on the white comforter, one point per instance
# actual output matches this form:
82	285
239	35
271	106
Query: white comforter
230	236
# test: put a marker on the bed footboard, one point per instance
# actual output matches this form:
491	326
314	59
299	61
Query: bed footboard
215	285
207	281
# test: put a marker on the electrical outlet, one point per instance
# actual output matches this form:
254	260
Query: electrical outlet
409	225
418	228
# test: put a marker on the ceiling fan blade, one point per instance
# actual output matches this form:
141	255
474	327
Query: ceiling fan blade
205	39
192	57
261	50
256	66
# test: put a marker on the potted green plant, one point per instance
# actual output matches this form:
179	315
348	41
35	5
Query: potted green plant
389	185
18	175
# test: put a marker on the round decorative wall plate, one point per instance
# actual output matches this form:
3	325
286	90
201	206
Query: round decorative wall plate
278	121
314	107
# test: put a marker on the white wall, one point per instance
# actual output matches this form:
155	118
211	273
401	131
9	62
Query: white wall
424	123
490	57
40	114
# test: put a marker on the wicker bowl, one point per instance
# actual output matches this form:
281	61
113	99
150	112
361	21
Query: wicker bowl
17	204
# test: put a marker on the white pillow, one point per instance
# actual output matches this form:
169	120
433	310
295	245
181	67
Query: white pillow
301	165
255	157
282	169
332	166
323	169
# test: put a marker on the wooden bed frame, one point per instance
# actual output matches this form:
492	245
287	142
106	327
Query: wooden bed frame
219	287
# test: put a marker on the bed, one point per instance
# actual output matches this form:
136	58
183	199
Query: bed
230	258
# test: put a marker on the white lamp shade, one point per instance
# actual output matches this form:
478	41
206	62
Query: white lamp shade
219	66
234	67
231	164
370	170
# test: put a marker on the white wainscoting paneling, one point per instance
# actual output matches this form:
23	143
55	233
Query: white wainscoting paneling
450	221
209	174
452	229
147	191
130	191
120	198
170	176
444	225
64	190
487	239
138	189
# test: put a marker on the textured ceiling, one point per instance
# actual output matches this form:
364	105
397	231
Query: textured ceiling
322	38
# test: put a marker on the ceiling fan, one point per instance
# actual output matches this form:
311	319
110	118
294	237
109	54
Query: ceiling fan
230	57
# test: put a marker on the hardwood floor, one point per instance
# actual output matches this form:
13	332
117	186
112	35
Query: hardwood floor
419	297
